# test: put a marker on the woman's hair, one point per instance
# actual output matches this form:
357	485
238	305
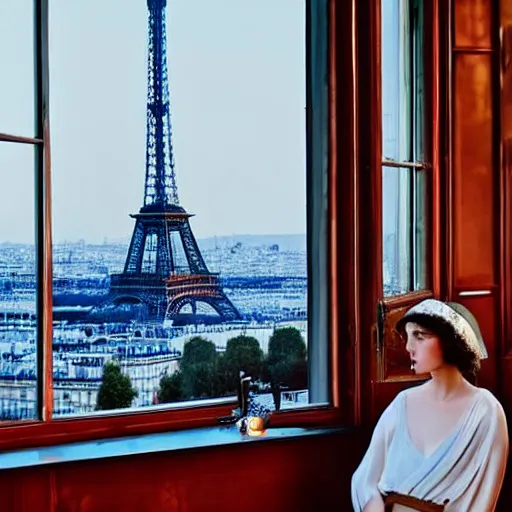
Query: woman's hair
455	351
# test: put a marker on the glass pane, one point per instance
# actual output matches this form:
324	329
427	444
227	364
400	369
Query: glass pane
396	80
179	249
404	224
17	86
396	230
18	282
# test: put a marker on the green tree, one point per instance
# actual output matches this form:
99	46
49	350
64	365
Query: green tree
116	390
170	388
286	362
199	369
242	353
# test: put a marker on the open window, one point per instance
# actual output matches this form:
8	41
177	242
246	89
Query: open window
408	106
134	277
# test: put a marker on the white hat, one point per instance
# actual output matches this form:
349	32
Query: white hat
458	317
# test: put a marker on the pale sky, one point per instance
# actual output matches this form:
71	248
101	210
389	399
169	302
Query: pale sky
237	85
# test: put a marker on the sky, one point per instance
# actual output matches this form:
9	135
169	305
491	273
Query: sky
237	86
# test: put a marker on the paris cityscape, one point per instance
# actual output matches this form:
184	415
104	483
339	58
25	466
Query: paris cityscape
265	277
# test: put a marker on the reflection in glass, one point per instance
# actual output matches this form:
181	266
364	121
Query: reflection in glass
17	86
179	229
18	365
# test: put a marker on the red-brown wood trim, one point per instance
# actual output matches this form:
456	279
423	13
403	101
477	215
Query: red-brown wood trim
505	163
47	318
472	49
333	205
5	137
369	197
27	434
435	189
59	431
500	247
343	101
448	182
400	301
315	417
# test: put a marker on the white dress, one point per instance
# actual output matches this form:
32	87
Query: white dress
467	468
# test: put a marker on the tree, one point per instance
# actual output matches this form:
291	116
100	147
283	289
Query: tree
199	369
242	353
170	388
286	362
116	391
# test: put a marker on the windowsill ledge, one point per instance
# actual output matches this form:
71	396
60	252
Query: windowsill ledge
150	443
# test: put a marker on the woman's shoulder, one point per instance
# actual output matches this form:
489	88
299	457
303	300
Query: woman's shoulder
489	402
489	419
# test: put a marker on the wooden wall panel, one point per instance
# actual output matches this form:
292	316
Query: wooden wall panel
473	172
473	23
300	475
506	182
485	310
30	489
475	175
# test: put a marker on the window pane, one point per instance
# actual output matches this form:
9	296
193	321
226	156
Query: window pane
18	363
17	85
174	305
396	80
404	230
396	224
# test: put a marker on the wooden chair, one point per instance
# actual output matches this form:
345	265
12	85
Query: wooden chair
393	498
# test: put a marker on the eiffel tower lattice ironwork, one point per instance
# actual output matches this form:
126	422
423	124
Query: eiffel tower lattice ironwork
165	274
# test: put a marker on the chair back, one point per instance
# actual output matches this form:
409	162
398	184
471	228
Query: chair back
394	498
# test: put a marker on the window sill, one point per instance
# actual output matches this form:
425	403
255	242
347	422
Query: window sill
205	437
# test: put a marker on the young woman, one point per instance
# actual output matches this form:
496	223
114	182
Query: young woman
444	441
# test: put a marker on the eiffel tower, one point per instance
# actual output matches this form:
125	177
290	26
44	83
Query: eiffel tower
165	275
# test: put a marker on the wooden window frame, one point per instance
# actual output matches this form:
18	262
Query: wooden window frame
430	165
342	265
370	197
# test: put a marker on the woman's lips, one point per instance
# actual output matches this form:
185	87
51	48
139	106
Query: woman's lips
413	364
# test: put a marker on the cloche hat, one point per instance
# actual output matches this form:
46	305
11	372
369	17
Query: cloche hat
455	315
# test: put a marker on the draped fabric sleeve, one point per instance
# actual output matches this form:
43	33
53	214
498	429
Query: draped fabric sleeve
366	477
492	456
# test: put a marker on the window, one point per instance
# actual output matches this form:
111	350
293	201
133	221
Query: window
174	247
404	166
20	154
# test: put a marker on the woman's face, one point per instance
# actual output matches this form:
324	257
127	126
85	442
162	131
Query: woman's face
424	348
